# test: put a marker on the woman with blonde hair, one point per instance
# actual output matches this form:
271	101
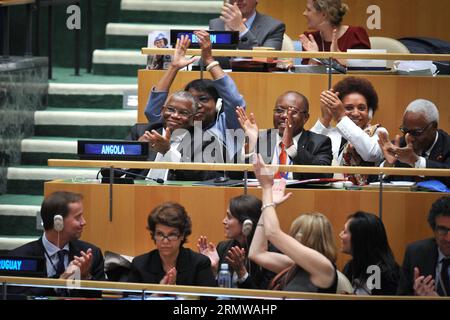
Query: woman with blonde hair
307	257
325	17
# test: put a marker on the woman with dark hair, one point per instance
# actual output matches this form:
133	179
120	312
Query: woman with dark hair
325	17
171	263
239	223
351	104
372	270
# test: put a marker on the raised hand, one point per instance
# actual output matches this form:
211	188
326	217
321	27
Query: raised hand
334	42
278	192
209	250
331	100
308	43
423	286
236	259
83	263
170	277
232	18
160	143
407	153
288	132
387	147
179	60
263	173
249	125
205	45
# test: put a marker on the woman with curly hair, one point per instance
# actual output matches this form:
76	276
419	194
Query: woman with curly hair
351	103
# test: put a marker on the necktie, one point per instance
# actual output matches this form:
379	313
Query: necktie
281	161
444	280
60	267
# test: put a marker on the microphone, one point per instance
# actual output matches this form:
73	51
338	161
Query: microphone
334	65
118	173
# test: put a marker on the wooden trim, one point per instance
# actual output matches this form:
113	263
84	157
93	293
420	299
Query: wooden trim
303	54
15	2
244	167
178	289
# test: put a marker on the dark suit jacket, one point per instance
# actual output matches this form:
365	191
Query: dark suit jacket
36	249
312	149
422	254
264	32
193	269
439	158
181	175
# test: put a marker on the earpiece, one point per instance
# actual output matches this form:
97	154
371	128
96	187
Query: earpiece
218	105
370	114
247	227
58	223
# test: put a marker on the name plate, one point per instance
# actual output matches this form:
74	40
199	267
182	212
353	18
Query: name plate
112	150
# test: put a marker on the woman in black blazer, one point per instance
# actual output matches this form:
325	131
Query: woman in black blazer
171	263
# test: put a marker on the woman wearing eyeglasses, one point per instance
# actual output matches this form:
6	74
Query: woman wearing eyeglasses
351	103
170	262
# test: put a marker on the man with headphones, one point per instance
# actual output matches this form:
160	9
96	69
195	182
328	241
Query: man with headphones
66	256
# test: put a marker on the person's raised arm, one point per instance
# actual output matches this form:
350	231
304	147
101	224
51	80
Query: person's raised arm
316	264
207	58
179	61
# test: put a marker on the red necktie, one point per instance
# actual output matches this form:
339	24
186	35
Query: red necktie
281	161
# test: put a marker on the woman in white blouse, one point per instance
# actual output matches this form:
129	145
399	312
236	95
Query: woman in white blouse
351	104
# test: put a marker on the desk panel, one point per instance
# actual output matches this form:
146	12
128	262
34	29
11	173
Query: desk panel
404	213
260	91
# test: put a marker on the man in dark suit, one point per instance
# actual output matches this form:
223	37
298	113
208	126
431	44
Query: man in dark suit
426	263
289	143
423	145
66	256
255	29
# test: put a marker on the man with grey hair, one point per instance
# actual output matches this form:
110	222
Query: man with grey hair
423	145
172	140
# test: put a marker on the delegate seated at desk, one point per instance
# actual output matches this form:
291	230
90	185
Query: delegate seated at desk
173	140
64	253
351	104
293	144
423	145
170	225
255	29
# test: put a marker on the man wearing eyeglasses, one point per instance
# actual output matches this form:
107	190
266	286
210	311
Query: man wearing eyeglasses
289	143
423	145
426	266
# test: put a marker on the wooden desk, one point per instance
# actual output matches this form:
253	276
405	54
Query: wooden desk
404	213
260	91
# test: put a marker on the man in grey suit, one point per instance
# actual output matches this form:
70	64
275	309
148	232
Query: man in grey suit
255	29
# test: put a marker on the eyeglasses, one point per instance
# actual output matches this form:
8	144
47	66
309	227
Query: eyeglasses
280	111
181	113
415	132
171	237
441	230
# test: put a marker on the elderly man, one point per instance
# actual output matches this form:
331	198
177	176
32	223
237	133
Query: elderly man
426	266
255	29
289	143
172	140
423	145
